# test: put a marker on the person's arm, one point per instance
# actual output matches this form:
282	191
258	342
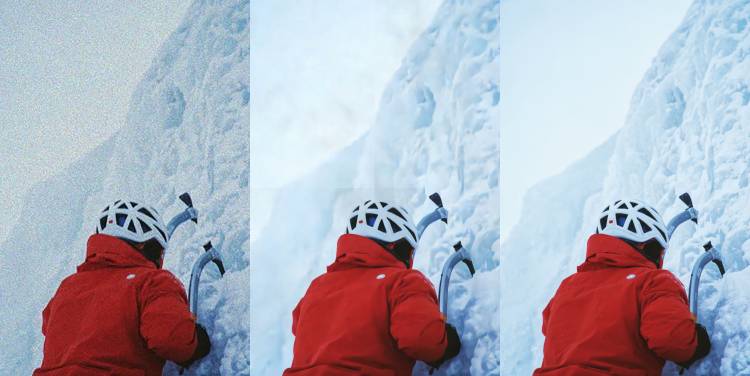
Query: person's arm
295	317
418	327
545	316
167	326
666	322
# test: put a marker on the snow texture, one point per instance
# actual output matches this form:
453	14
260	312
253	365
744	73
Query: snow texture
687	131
437	130
187	130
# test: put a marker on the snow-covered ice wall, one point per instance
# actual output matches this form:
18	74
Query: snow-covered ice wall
687	130
187	130
437	130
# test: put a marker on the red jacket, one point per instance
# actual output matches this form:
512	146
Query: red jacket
368	315
618	315
118	315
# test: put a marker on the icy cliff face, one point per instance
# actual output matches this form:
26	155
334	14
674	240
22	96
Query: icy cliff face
437	130
686	131
187	130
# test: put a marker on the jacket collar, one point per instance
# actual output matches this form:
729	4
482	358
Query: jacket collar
104	251
354	251
604	251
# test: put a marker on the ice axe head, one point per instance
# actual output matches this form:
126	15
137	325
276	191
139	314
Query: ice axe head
470	264
685	198
187	200
716	257
216	260
435	197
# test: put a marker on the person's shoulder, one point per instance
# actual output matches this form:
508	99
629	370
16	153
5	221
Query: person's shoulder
662	279
160	278
412	277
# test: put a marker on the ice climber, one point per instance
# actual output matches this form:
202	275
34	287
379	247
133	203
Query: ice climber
371	313
121	313
621	313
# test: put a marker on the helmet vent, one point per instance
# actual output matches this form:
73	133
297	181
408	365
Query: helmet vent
145	227
621	219
105	209
353	222
370	218
131	226
103	222
662	233
123	206
646	212
147	213
631	227
373	206
623	206
163	235
394	226
605	209
645	227
411	232
381	227
603	222
355	210
383	204
120	218
397	213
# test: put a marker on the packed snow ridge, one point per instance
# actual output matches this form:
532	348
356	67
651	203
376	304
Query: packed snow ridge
187	130
687	131
437	130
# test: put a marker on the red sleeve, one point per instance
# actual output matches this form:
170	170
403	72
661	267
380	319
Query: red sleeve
167	325
666	322
295	317
545	316
416	322
45	317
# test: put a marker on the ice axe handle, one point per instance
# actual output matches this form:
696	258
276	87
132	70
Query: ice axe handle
435	197
708	247
187	200
470	264
219	263
687	200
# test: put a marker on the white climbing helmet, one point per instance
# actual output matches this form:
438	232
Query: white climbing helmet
132	221
633	220
382	221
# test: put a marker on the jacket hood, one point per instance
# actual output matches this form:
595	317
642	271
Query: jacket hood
604	251
104	251
354	251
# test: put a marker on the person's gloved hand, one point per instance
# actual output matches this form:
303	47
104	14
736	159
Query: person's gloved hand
203	348
703	348
453	348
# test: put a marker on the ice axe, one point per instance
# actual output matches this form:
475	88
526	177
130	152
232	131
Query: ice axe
440	213
188	214
690	213
460	255
711	254
210	254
